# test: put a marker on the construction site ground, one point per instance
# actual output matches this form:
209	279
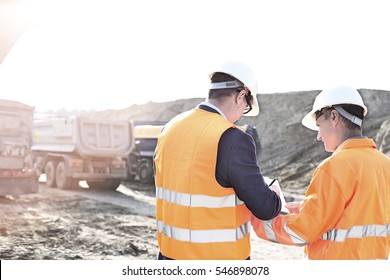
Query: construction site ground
90	224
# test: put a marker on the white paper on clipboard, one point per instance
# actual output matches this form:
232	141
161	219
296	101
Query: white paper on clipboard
268	181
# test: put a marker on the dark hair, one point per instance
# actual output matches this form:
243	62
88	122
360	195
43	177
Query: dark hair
222	93
352	109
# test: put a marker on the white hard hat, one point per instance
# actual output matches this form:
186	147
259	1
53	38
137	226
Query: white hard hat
245	75
334	96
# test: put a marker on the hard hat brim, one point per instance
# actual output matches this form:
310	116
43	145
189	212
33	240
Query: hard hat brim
309	121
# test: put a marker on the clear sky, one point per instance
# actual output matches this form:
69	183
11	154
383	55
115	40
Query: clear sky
110	54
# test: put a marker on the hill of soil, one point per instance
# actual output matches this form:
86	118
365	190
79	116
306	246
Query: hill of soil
290	151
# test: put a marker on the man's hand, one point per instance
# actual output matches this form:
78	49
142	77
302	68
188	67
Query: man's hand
275	187
294	207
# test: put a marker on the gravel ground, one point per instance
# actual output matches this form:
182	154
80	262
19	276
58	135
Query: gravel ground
60	225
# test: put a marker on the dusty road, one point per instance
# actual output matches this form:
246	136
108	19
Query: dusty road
93	225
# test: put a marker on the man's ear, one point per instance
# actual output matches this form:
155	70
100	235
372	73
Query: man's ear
242	93
334	115
237	97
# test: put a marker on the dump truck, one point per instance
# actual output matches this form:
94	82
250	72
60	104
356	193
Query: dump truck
17	174
72	149
140	160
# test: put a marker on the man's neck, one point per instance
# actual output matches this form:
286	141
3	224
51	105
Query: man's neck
215	107
352	134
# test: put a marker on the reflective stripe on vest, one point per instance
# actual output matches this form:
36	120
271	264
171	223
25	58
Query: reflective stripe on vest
197	200
340	235
295	238
204	236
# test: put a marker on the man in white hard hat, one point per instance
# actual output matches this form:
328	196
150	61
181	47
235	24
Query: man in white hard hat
208	183
346	210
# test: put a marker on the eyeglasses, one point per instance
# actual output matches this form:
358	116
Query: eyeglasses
248	98
319	113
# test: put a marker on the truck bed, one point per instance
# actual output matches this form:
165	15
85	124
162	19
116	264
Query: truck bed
84	136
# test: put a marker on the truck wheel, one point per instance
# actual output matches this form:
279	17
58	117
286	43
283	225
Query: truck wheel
146	172
62	181
50	171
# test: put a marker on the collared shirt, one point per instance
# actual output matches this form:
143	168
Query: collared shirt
208	104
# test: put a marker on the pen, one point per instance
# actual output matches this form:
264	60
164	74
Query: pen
273	181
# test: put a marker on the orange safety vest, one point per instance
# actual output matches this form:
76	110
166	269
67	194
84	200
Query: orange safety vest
197	218
346	211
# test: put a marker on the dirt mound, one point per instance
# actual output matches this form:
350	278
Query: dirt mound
383	137
290	151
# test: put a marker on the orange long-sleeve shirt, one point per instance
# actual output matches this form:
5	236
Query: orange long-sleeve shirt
346	211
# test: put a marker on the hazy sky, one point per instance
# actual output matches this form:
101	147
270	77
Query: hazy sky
80	54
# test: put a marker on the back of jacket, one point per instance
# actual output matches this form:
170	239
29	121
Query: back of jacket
346	211
352	207
197	218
